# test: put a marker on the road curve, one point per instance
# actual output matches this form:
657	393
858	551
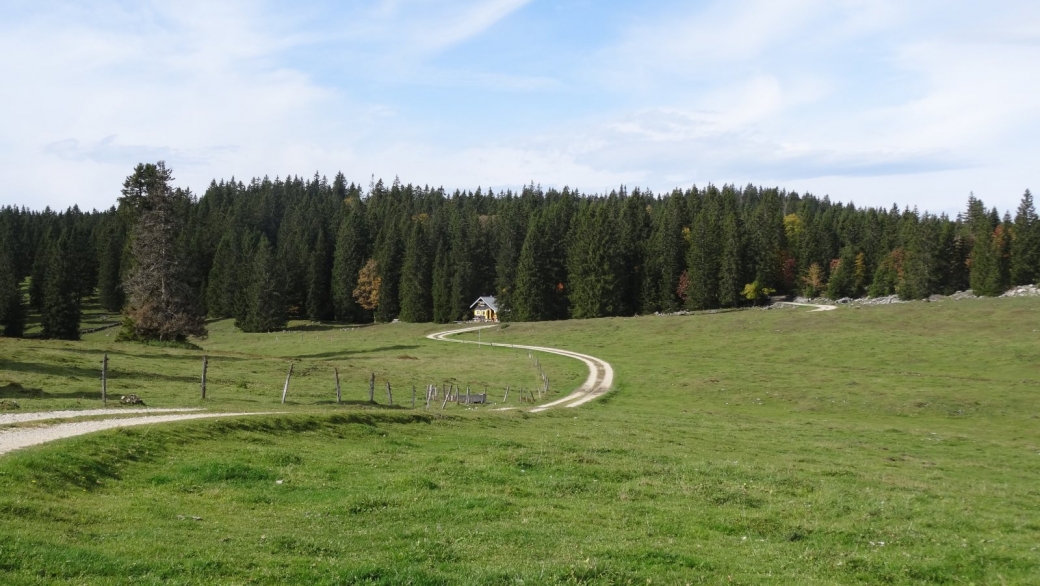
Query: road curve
818	306
22	437
599	381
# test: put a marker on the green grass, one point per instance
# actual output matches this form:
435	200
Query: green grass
776	446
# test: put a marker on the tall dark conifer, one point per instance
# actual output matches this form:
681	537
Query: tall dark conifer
264	302
1025	244
350	255
60	314
162	300
594	263
416	288
12	305
110	280
703	258
319	274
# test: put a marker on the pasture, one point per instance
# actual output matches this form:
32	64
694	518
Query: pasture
895	444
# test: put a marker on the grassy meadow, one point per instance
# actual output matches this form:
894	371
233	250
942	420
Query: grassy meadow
894	444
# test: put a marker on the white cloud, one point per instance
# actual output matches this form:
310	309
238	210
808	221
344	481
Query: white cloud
864	99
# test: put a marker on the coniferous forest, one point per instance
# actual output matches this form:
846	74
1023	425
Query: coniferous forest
267	251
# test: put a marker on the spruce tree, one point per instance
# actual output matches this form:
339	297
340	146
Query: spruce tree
594	264
731	261
38	276
442	298
532	294
462	264
703	255
12	306
388	262
350	255
60	314
110	281
223	285
1025	244
416	289
264	298
162	302
635	231
319	273
671	246
842	282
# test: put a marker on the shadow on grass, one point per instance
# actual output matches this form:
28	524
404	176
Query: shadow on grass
114	373
364	403
17	391
213	358
347	353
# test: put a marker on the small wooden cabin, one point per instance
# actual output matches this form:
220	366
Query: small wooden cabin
485	309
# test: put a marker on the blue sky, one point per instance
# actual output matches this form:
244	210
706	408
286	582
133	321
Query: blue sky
871	101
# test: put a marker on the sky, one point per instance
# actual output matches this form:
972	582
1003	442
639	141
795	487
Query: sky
867	101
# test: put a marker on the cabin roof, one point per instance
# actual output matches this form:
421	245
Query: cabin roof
488	300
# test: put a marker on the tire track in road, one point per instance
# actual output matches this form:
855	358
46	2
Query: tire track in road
599	381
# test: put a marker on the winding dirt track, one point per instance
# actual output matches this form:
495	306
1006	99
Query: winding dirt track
599	381
22	437
816	305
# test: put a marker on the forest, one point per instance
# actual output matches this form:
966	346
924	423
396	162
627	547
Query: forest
267	251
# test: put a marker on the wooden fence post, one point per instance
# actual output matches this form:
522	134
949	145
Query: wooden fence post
506	396
413	396
205	363
104	380
389	394
445	401
428	393
372	389
285	389
339	392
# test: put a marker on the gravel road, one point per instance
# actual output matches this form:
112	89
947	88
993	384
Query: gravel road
22	437
599	381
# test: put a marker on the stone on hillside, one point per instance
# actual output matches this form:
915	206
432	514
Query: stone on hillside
131	399
1022	291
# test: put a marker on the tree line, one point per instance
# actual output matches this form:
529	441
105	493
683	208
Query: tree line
266	251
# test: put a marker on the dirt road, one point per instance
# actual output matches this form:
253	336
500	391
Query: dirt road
599	381
818	306
22	437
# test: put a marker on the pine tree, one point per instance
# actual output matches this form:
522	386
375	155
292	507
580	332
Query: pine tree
319	273
60	314
162	301
1025	244
265	302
